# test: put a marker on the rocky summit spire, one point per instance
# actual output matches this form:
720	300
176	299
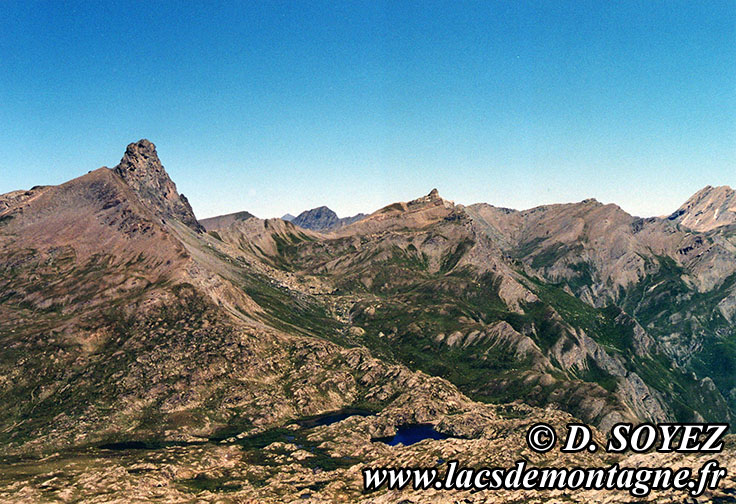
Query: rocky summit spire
143	171
433	198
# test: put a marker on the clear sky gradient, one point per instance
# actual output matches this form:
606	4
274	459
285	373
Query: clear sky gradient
276	107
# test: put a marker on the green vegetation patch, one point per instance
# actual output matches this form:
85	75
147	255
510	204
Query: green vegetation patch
450	259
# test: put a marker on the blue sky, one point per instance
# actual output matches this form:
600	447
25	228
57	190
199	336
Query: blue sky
277	107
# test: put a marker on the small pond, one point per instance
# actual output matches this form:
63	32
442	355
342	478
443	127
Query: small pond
410	434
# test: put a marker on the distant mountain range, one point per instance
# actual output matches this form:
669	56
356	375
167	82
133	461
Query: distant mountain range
261	360
322	219
317	219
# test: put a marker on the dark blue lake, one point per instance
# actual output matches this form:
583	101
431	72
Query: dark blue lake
410	434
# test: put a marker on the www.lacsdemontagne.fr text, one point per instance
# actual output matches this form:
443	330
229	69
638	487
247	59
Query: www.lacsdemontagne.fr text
638	481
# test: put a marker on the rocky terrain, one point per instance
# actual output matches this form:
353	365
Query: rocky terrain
151	356
322	219
223	221
707	209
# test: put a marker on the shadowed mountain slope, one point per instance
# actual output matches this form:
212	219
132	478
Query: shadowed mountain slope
322	219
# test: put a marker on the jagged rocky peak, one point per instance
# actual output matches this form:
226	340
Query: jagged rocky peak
433	198
707	209
142	170
434	195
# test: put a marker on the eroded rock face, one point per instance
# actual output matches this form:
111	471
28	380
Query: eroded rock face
707	209
727	307
15	198
143	171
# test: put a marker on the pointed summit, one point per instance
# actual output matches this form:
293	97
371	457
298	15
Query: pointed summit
433	198
143	171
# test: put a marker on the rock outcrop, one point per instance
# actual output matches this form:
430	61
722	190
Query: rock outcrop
143	171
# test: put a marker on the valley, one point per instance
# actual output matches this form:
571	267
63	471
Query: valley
150	355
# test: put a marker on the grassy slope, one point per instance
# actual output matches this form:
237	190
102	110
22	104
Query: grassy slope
411	305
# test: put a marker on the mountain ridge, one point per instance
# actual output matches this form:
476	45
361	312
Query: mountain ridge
124	323
708	209
211	223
